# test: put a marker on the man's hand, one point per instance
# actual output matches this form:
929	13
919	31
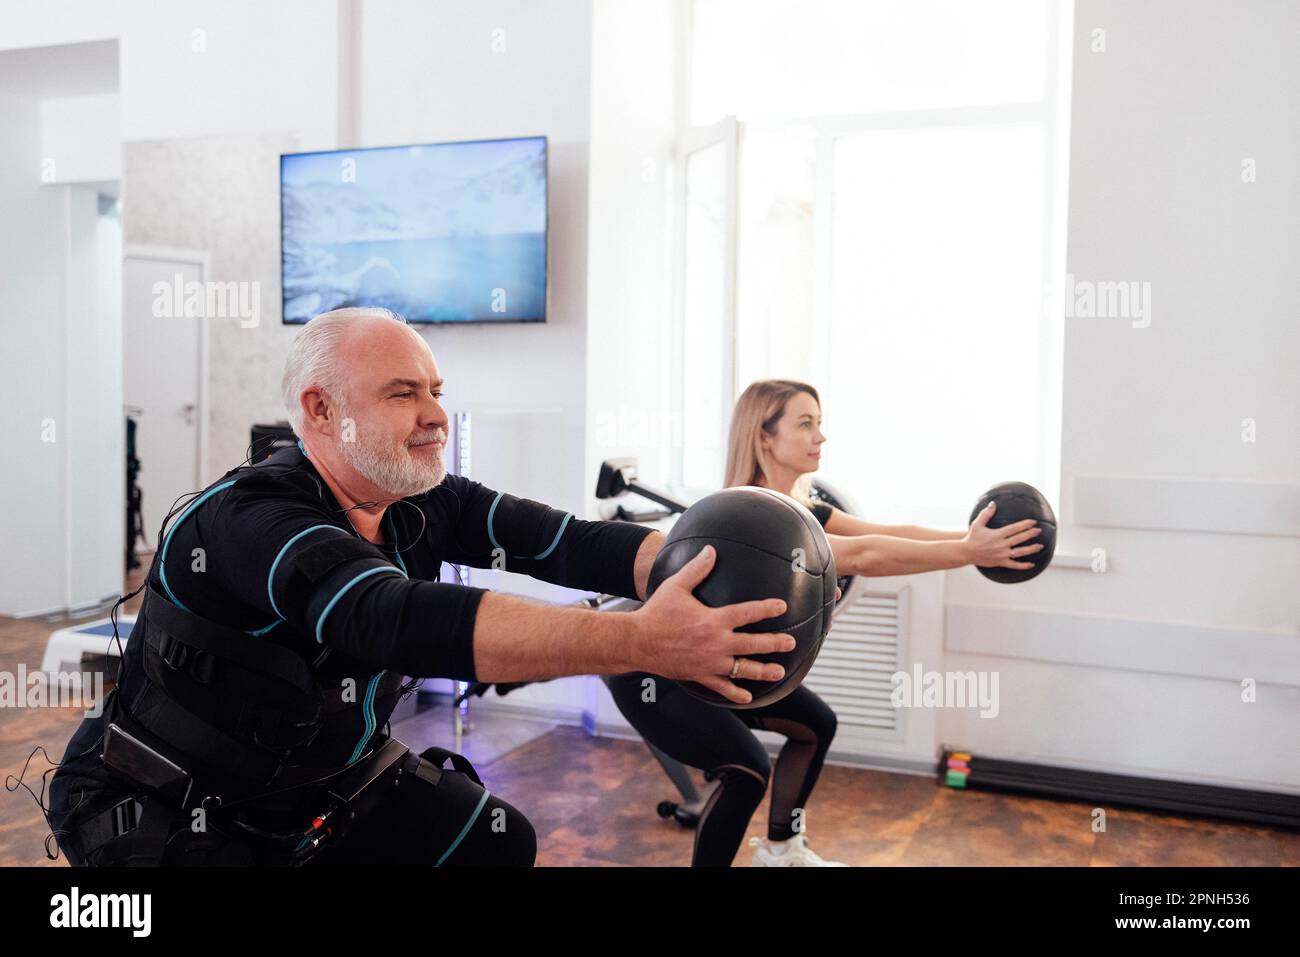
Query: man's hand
680	637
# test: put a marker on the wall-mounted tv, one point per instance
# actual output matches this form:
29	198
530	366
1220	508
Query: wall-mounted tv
446	232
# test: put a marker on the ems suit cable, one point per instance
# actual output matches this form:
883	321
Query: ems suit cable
397	552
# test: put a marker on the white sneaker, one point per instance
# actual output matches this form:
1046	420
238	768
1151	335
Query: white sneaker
792	853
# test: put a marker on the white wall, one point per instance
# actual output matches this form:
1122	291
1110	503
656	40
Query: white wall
1162	121
31	292
60	425
57	21
82	137
95	433
204	67
61	326
221	67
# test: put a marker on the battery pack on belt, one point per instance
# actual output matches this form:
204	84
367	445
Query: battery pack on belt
351	796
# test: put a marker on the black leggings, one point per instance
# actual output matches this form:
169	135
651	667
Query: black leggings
719	742
449	822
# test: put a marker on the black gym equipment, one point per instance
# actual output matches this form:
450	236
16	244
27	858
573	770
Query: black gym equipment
267	439
134	497
768	546
1017	501
1122	790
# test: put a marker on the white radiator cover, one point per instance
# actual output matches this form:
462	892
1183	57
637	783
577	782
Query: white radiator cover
867	643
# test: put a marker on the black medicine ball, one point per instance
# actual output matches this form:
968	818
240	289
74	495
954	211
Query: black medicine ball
768	546
1016	502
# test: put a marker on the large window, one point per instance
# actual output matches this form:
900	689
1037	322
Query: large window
890	229
705	309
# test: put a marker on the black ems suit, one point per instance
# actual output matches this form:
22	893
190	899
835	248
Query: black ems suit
249	721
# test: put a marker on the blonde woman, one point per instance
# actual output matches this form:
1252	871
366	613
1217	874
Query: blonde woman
775	441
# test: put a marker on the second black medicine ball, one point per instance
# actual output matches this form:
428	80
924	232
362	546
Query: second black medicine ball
768	546
1016	502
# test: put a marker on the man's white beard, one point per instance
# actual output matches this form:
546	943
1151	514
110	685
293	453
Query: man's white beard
390	465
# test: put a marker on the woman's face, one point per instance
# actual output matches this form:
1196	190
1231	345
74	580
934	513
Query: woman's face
797	444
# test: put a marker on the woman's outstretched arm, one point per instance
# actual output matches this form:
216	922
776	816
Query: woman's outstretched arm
880	554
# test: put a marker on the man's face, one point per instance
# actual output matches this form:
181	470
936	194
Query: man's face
392	427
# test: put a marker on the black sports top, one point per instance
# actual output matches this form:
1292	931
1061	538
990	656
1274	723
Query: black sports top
229	557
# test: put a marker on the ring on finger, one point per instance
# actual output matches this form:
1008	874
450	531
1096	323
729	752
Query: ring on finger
735	667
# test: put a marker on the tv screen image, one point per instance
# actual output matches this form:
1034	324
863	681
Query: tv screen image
451	232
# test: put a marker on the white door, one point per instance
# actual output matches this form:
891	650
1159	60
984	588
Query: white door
163	359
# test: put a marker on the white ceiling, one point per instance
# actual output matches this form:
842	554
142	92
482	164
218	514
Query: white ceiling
70	69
